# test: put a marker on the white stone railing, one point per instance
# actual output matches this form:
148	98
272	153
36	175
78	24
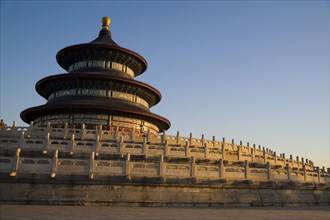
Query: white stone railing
165	169
52	140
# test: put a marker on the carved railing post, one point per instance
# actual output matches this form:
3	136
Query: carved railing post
22	139
166	148
48	127
177	137
161	167
214	141
190	139
221	169
144	146
264	154
30	129
15	162
66	131
99	131
97	145
287	168
164	136
246	169
117	133
72	144
14	129
193	167
128	166
83	131
206	151
46	143
253	152
304	172
275	157
203	140
54	164
298	163
187	149
223	152
318	174
91	165
268	170
132	136
239	149
121	144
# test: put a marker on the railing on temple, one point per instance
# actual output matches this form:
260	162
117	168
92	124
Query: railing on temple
84	151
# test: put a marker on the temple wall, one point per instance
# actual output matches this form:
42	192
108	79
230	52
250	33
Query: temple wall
158	195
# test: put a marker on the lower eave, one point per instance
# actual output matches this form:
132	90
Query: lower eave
31	114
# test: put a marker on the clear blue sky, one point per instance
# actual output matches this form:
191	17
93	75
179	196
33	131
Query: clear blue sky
255	71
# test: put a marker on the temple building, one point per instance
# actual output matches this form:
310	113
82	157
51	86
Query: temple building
99	89
95	141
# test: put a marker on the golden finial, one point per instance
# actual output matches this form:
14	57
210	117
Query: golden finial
105	22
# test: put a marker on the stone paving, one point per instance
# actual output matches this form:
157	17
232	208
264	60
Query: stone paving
24	212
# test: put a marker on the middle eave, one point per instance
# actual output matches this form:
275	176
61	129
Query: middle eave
50	84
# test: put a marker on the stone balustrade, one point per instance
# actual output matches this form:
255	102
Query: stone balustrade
96	153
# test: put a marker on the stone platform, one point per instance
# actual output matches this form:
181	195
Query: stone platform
168	195
79	166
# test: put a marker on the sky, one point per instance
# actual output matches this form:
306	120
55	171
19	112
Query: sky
256	71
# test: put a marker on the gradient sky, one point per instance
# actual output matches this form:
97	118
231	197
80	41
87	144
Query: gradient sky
256	71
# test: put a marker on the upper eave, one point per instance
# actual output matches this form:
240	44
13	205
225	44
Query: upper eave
83	52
